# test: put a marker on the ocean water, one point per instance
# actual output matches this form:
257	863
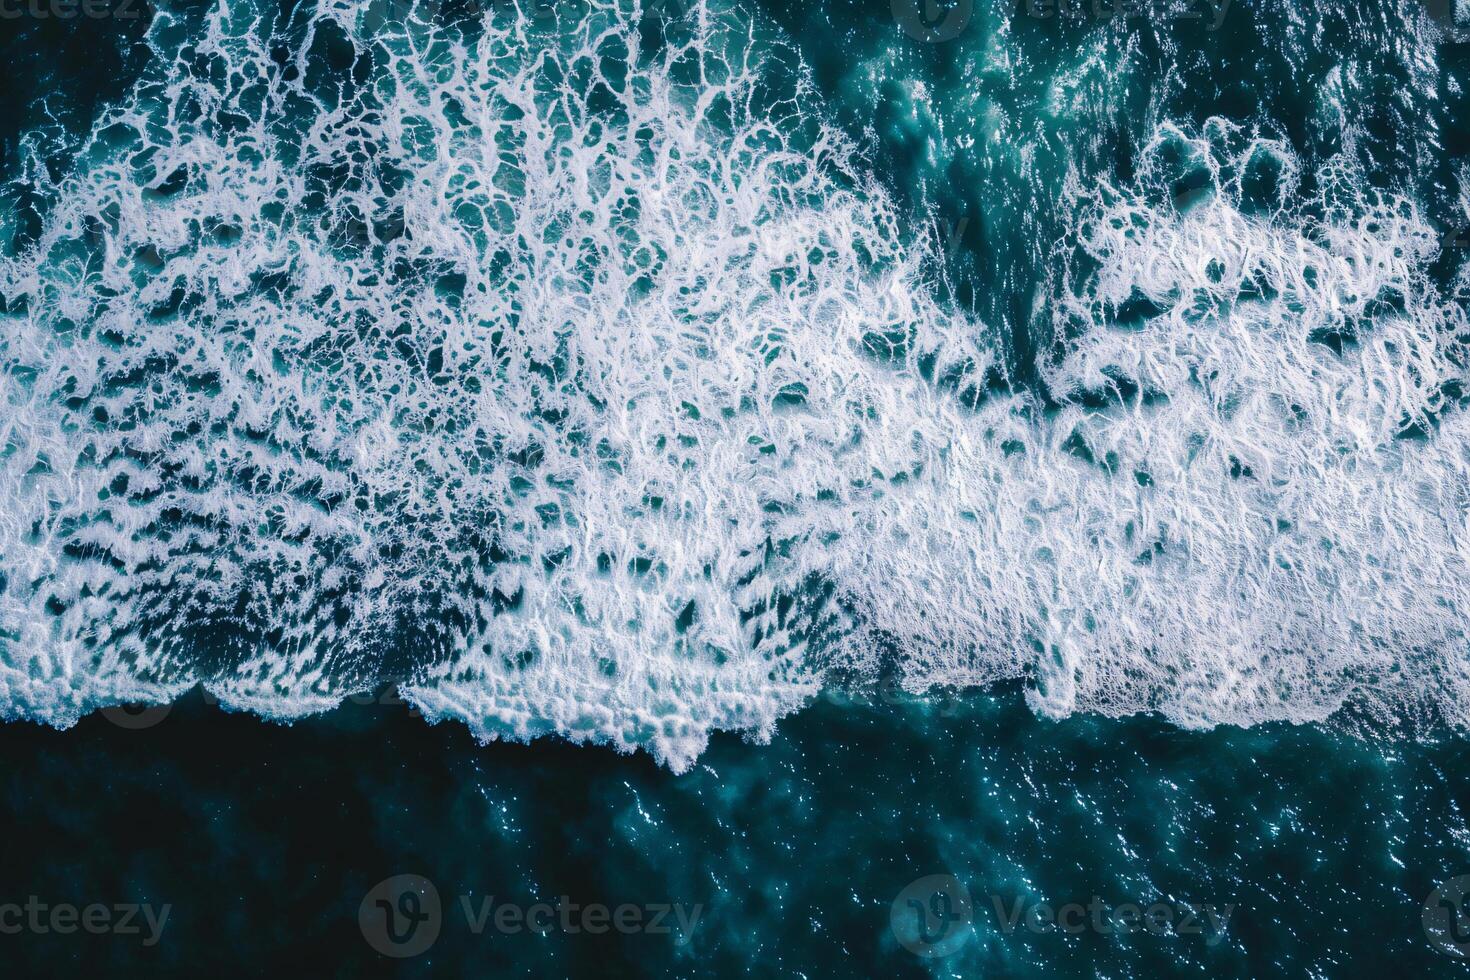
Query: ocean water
873	480
263	840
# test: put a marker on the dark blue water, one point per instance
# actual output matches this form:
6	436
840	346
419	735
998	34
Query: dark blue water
265	839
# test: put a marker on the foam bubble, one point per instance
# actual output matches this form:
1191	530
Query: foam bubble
613	402
1248	502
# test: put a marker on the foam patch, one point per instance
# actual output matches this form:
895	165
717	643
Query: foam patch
593	387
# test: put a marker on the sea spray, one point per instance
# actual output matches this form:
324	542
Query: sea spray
579	370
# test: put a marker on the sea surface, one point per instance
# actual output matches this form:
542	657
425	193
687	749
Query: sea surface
828	488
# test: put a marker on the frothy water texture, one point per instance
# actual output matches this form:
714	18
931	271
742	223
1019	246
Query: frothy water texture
584	377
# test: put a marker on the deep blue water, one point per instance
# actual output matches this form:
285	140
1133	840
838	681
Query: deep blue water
265	839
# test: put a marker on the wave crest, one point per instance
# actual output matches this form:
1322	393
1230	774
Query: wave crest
587	381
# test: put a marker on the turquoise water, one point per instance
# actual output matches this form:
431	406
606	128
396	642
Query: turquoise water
265	839
665	378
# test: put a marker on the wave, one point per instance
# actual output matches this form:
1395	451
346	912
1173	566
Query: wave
572	369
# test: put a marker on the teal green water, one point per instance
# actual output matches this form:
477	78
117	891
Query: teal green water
675	378
265	839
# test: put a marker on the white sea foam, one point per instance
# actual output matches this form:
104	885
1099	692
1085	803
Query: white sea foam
617	404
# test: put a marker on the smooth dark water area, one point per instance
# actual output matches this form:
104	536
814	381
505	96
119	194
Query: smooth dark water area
265	838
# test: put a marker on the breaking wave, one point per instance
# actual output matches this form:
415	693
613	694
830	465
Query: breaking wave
571	369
